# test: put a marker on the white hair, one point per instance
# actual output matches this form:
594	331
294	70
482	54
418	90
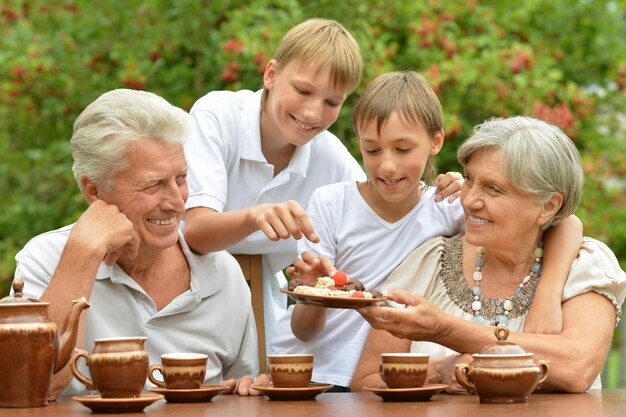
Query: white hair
114	120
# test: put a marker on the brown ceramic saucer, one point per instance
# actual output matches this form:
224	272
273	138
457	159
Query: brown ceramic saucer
332	302
406	394
203	394
117	405
292	394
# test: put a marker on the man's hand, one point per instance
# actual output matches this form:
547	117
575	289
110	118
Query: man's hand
230	384
104	227
244	387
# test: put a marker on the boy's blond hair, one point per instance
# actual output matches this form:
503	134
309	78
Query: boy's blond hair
322	42
408	93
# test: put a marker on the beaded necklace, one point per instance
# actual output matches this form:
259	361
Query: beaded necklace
507	305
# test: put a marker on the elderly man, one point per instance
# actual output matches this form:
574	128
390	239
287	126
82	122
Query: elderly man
126	253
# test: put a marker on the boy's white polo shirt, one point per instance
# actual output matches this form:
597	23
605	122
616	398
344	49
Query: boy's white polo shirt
227	172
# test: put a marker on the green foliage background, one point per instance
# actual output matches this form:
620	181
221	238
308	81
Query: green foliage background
563	61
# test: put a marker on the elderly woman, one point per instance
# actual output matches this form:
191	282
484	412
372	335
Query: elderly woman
522	176
126	254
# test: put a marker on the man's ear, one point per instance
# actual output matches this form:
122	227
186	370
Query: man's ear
89	189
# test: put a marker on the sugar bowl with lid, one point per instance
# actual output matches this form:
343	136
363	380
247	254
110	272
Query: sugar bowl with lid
503	372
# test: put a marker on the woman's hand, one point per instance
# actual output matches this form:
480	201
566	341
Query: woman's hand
420	319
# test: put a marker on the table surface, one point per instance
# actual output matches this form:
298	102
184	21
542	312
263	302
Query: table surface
593	403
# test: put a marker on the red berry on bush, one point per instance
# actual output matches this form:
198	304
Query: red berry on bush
233	45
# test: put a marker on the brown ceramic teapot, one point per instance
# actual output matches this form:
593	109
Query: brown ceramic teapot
31	348
503	372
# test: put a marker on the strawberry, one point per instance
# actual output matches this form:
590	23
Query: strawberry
357	294
341	278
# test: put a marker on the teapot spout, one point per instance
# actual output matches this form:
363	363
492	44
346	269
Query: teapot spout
67	340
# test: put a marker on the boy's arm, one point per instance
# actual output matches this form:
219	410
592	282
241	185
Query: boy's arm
207	150
307	321
309	267
316	260
207	230
448	185
561	246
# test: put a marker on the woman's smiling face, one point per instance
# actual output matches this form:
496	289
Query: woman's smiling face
497	215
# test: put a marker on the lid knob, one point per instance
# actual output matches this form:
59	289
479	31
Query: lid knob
18	294
18	287
501	332
502	346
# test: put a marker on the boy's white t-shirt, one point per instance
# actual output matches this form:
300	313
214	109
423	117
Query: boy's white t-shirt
366	247
227	172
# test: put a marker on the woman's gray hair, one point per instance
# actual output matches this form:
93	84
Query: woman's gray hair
113	121
538	159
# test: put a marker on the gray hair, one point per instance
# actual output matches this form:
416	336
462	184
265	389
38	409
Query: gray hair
538	159
113	121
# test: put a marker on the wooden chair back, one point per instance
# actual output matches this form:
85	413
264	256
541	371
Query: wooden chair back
252	268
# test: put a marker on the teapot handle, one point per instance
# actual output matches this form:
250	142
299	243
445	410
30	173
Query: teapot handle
78	353
462	373
545	367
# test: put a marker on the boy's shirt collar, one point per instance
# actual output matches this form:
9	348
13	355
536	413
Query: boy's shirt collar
250	129
251	125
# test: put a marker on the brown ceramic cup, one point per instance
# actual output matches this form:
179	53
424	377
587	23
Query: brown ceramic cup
118	367
290	371
404	370
180	371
